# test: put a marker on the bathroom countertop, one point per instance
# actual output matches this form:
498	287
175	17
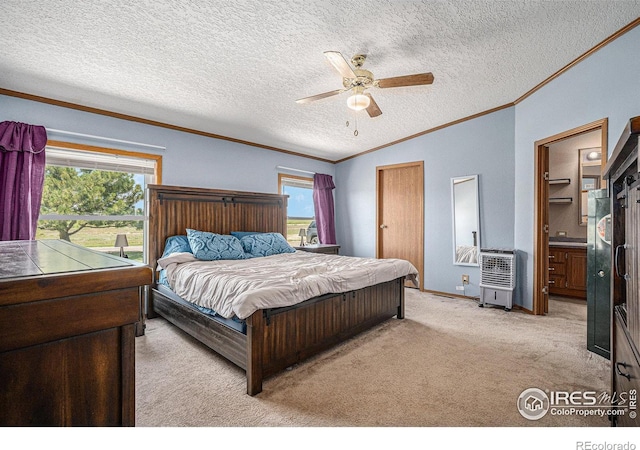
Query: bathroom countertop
567	242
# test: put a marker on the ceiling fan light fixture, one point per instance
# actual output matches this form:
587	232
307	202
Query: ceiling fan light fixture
358	101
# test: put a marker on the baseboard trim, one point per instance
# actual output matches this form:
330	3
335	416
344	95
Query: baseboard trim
522	308
447	294
466	297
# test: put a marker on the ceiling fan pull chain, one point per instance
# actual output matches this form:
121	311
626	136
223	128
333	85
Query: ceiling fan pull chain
355	118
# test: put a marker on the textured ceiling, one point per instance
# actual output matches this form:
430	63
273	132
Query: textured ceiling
235	68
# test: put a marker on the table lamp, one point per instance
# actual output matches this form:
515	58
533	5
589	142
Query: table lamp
121	241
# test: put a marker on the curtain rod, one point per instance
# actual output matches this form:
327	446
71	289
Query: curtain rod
100	138
295	170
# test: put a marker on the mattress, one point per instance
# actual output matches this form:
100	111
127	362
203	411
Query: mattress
241	287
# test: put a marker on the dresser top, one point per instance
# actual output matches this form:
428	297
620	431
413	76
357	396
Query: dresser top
52	256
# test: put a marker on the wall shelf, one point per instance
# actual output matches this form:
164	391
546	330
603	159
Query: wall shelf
560	181
560	199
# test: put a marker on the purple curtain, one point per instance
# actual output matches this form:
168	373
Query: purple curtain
323	204
22	165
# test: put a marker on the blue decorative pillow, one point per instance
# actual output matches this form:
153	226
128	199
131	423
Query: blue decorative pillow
212	247
266	244
162	278
241	234
176	244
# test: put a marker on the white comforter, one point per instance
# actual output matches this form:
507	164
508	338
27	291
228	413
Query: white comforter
241	287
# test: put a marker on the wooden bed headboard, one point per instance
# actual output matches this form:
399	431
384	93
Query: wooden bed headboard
173	209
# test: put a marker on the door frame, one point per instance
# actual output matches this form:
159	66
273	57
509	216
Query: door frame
541	206
419	240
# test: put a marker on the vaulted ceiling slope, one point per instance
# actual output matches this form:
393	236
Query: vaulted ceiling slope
235	68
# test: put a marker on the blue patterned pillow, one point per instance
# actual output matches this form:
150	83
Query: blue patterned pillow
176	244
212	247
241	234
266	244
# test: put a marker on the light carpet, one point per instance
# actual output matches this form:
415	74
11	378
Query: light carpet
448	363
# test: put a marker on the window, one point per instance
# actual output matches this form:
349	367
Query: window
93	194
300	209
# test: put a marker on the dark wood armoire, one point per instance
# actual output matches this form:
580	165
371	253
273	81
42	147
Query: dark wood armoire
623	175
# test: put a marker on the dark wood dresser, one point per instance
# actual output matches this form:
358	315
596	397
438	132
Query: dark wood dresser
623	174
67	330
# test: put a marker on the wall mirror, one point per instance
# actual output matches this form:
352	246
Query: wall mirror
466	220
590	164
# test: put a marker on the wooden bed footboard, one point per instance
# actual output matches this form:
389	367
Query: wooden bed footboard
280	337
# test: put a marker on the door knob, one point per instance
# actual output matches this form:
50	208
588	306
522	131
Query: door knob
383	226
601	273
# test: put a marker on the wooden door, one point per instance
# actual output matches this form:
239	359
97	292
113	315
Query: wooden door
541	275
541	223
400	214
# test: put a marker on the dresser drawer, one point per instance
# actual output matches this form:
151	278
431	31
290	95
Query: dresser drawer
557	269
557	256
557	281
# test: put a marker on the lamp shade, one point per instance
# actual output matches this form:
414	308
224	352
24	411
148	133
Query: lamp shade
121	241
302	232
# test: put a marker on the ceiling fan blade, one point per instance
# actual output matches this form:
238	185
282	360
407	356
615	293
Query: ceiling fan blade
373	109
313	98
406	80
341	64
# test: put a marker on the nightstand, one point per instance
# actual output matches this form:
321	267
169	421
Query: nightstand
331	249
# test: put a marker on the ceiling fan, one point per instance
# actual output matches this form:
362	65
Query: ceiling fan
359	80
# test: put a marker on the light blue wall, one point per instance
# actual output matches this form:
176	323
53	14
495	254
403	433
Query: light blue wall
499	147
482	146
189	159
605	85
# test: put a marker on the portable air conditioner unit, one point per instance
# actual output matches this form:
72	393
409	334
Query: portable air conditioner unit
497	277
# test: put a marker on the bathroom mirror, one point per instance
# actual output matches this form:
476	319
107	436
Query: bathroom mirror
466	220
590	164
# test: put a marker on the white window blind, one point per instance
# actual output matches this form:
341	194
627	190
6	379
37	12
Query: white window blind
296	182
99	161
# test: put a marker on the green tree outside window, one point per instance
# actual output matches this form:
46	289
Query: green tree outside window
70	191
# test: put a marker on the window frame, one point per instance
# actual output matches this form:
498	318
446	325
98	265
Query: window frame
115	152
281	183
283	176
